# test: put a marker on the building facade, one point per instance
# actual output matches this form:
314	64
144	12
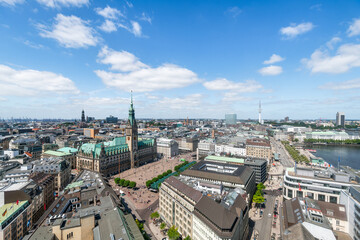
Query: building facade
258	148
321	186
167	147
120	154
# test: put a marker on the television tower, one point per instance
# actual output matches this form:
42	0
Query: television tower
260	111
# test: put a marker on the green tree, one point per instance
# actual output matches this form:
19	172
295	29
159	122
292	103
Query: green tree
162	225
148	183
132	184
187	238
154	215
169	171
117	180
173	233
121	182
126	183
260	186
258	199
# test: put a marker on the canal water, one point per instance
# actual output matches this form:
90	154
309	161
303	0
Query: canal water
349	156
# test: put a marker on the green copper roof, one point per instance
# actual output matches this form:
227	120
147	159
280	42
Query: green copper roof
67	150
116	146
56	153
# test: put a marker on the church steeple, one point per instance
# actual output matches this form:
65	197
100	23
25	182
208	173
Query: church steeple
131	120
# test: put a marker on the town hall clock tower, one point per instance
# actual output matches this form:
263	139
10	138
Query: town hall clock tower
131	132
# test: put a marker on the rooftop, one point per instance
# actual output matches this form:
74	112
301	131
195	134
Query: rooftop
9	209
220	172
225	159
56	153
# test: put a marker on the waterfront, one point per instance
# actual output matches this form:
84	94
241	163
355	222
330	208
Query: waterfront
349	156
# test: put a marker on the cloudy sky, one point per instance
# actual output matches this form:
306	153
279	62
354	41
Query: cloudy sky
199	59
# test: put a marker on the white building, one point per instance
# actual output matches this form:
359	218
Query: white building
351	200
315	184
236	151
167	147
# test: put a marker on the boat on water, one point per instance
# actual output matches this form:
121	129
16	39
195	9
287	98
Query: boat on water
311	150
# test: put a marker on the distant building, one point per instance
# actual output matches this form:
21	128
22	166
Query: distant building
111	119
188	144
340	119
83	116
66	153
167	147
58	167
230	119
286	119
258	148
91	132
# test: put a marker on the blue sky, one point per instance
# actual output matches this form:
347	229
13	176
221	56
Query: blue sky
196	59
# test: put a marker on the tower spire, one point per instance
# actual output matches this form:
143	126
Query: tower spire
260	120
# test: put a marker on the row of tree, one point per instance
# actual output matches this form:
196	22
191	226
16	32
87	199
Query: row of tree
295	154
155	179
332	141
125	183
177	167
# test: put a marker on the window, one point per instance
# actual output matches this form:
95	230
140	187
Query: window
333	199
337	223
290	193
70	235
321	197
299	193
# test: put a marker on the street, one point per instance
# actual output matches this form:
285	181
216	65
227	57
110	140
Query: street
285	158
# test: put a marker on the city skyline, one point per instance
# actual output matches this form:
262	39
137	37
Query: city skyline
200	60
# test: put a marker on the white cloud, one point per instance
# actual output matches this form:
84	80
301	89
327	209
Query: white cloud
293	30
188	102
354	28
274	59
121	61
347	56
330	44
316	7
10	2
224	84
234	11
235	97
345	85
70	32
33	83
100	101
136	28
63	3
140	77
271	70
145	17
109	13
108	26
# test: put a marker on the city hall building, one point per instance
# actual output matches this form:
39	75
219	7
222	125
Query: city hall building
121	153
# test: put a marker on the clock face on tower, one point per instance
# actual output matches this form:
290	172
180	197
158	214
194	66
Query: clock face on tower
128	138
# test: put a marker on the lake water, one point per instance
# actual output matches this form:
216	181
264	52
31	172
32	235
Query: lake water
349	156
